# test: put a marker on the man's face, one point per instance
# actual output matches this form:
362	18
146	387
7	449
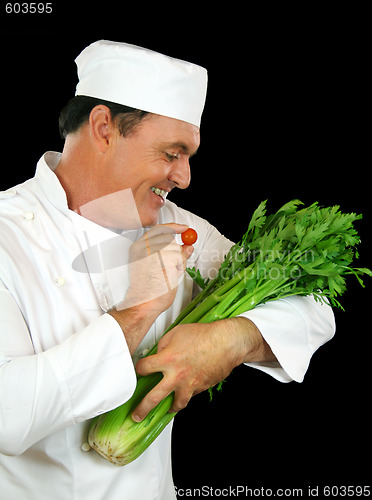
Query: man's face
151	161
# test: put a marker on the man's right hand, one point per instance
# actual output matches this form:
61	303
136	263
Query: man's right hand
157	263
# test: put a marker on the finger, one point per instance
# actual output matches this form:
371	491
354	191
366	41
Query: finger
181	400
148	365
152	399
156	241
165	340
170	228
187	251
175	228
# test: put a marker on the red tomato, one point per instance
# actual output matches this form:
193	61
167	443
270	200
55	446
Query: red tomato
189	236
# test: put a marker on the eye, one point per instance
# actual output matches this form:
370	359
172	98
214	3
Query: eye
172	156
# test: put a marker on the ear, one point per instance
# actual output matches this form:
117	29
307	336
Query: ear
101	127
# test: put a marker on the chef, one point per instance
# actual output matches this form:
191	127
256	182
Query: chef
92	273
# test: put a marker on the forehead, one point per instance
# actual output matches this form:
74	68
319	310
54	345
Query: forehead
171	133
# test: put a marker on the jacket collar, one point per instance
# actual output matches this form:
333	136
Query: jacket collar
48	181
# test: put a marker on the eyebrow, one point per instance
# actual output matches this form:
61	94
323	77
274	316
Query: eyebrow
180	145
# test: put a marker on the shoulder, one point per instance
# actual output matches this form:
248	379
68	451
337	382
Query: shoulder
16	198
18	208
17	205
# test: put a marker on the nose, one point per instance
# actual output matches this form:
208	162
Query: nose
180	174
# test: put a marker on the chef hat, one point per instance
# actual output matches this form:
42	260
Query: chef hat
142	79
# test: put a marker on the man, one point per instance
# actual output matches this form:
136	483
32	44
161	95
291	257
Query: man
92	273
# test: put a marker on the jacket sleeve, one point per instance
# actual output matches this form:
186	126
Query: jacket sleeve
69	383
294	327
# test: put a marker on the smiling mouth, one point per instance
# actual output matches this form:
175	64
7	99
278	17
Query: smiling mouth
160	192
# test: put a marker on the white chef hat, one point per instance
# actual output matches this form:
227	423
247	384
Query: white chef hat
142	79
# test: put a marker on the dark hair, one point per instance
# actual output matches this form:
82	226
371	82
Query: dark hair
78	109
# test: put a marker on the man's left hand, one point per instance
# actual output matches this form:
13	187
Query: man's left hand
194	357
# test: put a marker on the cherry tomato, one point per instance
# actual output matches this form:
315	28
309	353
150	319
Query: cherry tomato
189	236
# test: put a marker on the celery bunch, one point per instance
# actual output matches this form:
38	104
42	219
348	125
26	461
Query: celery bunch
294	251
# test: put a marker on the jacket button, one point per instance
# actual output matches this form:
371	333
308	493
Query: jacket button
29	216
60	281
145	352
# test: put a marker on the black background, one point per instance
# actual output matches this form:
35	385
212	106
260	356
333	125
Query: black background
286	117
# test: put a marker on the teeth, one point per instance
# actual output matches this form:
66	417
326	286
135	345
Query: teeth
159	192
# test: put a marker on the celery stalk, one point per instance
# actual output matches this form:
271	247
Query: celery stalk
292	252
120	440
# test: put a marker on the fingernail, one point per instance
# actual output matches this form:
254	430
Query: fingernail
136	418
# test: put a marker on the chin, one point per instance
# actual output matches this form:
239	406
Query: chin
149	219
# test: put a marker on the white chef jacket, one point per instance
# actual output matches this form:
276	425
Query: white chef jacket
64	360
